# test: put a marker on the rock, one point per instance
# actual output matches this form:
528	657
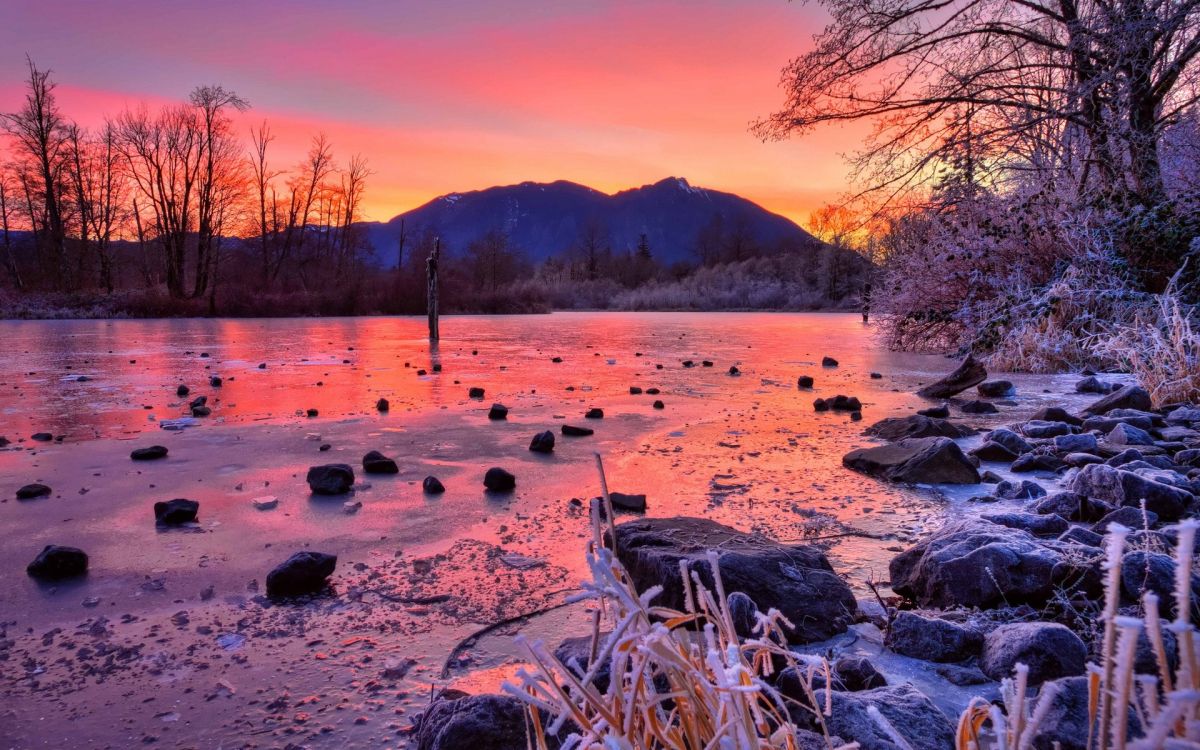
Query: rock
915	426
312	413
1120	487
1084	443
477	722
576	655
876	376
1126	397
1065	726
432	486
198	401
594	413
1081	459
1055	414
1035	462
572	431
733	370
266	502
795	579
42	437
1049	650
1010	440
935	412
659	405
968	374
175	512
804	381
556	360
1152	571
1080	535
1128	516
182	391
382	405
1092	384
1127	434
634	390
498	412
828	362
931	639
820	405
1025	490
961	676
976	564
475	392
857	673
1037	428
978	407
1106	424
996	388
32	491
302	573
377	463
1038	525
201	411
1073	507
351	506
543	442
844	403
330	479
934	460
993	451
744	613
632	503
55	563
499	480
909	711
215	381
990	477
149	453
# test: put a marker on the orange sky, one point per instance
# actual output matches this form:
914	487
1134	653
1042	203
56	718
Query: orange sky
458	95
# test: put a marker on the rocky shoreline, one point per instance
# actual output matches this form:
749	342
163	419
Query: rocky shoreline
975	598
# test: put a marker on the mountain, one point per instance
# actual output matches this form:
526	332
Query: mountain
545	220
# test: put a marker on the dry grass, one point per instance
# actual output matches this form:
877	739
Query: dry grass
1161	348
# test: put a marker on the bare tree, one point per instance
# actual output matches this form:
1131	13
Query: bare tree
220	164
10	261
101	190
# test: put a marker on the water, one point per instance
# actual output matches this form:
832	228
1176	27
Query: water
159	610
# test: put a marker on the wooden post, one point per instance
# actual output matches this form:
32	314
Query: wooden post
431	293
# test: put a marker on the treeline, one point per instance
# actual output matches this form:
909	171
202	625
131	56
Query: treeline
170	209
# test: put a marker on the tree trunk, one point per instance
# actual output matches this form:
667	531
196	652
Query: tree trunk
431	298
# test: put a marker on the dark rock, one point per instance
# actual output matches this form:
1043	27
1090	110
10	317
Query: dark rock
499	480
688	363
1106	424
594	413
1035	462
733	370
572	431
1073	507
55	563
474	722
176	512
960	675
432	486
201	411
968	374
215	381
820	405
931	639
1036	428
1084	443
996	388
932	460
876	376
576	655
1092	384
475	392
198	401
1049	650
1055	414
1128	516
330	479
634	390
828	362
1081	459
1152	571
978	407
42	437
804	381
382	405
993	451
556	360
1066	726
795	579
1127	397
149	453
302	573
498	412
182	391
543	442
857	673
377	463
707	363
659	405
935	412
1080	535
909	711
1127	434
1038	525
744	613
844	403
1025	490
624	501
915	426
312	413
1120	487
34	490
1010	440
990	477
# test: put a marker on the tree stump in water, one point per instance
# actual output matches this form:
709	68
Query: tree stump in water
431	294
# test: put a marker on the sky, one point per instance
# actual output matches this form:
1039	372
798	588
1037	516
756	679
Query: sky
453	95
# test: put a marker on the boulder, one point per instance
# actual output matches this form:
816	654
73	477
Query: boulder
1106	424
176	512
498	412
978	407
935	412
1092	384
1055	414
993	451
377	463
914	426
498	480
1152	571
978	564
543	442
55	563
1127	516
996	388
475	392
1120	487
1081	459
432	486
1080	535
149	453
382	405
182	391
1126	397
844	403
804	381
931	639
330	479
909	711
1024	490
857	673
970	373
1038	525
828	362
1009	439
1049	650
935	460
793	578
1036	428
573	431
474	722
1072	506
1126	434
594	413
302	573
1065	725
32	491
626	501
1035	462
1084	443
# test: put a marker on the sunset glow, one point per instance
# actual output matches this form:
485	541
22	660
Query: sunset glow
461	95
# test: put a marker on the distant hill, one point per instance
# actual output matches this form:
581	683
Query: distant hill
545	220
